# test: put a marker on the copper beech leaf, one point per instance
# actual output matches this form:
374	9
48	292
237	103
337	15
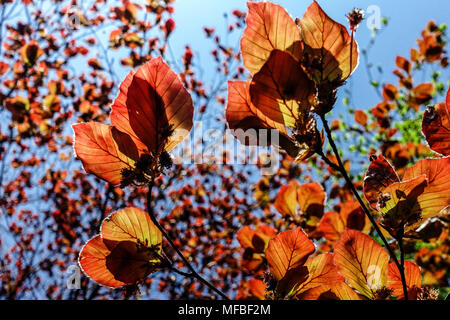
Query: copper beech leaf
127	250
436	195
288	250
321	271
257	288
331	226
153	100
354	216
307	200
412	277
350	216
93	262
311	199
104	150
286	200
119	112
269	27
281	90
326	47
241	113
336	291
249	125
436	127
379	176
399	204
362	262
131	224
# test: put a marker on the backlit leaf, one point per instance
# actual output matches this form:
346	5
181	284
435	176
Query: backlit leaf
155	101
336	291
281	90
379	176
286	200
321	271
288	250
412	277
131	224
311	199
327	47
269	27
331	226
436	195
104	150
399	204
114	264
361	261
436	127
93	262
127	250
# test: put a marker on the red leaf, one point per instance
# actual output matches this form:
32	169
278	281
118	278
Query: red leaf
321	271
362	262
288	250
436	127
435	196
281	94
328	43
336	291
104	150
154	100
379	176
269	27
412	277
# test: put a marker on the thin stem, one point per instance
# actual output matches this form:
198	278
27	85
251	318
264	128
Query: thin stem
361	202
172	244
184	274
351	52
402	263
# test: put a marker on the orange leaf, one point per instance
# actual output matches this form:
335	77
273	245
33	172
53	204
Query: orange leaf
412	277
331	226
286	200
154	101
311	199
131	224
361	261
93	262
279	92
390	92
321	271
399	206
257	288
115	264
127	250
104	150
435	196
328	44
269	27
361	117
242	114
245	236
354	217
288	250
379	176
337	291
436	127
